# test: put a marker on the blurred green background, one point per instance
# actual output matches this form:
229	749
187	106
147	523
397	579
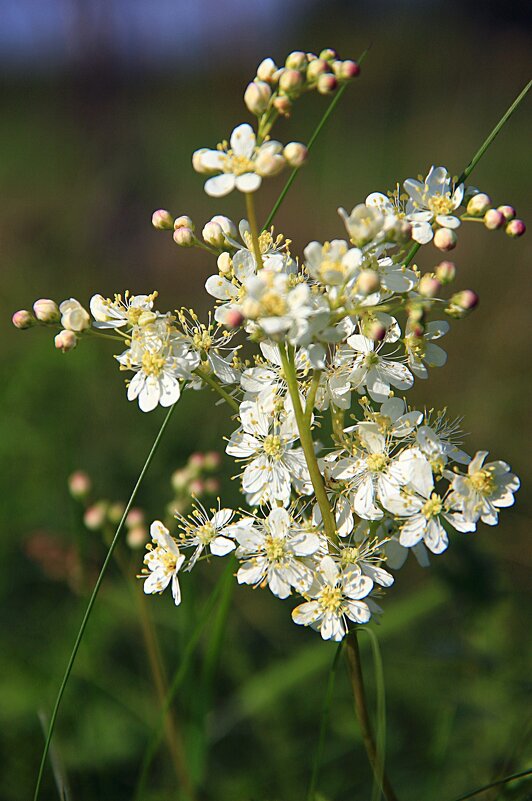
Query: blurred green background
97	127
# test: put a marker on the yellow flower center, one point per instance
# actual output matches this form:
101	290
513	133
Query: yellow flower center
432	507
206	533
168	559
202	340
273	304
441	204
237	165
274	548
273	446
483	482
349	556
152	364
376	462
371	359
330	598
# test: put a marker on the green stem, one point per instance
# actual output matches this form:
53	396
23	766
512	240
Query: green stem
497	783
307	443
217	387
311	396
323	725
328	111
252	220
92	599
361	708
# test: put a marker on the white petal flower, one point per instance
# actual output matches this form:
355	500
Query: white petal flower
375	371
204	530
163	562
434	200
485	489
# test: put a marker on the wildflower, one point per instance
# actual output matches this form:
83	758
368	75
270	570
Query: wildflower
485	489
163	562
333	263
203	530
124	311
422	351
434	200
73	316
375	371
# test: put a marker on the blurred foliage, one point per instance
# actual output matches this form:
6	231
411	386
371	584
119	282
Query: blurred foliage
84	160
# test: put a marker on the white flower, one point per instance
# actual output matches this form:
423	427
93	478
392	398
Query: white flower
163	562
378	373
209	342
485	489
127	311
438	448
203	530
266	381
393	418
241	165
337	595
333	263
421	349
394	276
271	550
365	222
73	316
434	200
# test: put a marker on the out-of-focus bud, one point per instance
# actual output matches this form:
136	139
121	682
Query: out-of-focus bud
228	226
295	154
23	319
283	105
233	318
266	70
326	84
329	54
213	234
515	228
296	60
137	536
73	316
196	461
184	222
46	310
95	516
402	231
257	96
375	330
135	517
79	485
429	286
291	82
269	161
162	220
493	219
65	341
212	486
445	272
479	204
196	487
224	263
368	282
212	461
507	211
184	237
445	239
349	70
316	68
180	479
115	512
462	302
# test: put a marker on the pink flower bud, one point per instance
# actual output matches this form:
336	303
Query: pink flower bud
257	96
65	341
212	460
466	299
79	485
228	226
234	318
326	84
507	211
316	68
295	154
23	319
429	286
213	235
266	70
349	70
212	486
368	282
445	239
283	105
137	536
493	219
196	460
95	516
135	517
196	487
445	272
46	310
179	480
162	220
328	54
479	204
184	222
290	81
296	60
515	228
375	330
184	237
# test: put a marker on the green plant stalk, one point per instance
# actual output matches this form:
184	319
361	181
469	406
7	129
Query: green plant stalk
311	396
497	783
92	599
307	443
252	220
361	709
380	738
323	725
217	387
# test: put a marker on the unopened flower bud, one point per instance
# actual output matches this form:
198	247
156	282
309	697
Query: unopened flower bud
212	460
445	239
79	485
162	220
233	318
23	319
184	237
508	212
184	222
368	282
224	263
515	228
196	460
349	70
269	162
295	154
65	341
316	68
296	60
257	96
46	310
479	204
266	70
95	516
212	486
137	536
179	480
196	487
445	272
283	105
429	286
493	219
135	517
462	302
290	81
375	330
115	512
73	316
326	84
328	54
213	234
228	226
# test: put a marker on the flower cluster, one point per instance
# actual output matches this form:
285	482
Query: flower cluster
341	331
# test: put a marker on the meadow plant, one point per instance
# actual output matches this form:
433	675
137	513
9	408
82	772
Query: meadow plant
312	354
